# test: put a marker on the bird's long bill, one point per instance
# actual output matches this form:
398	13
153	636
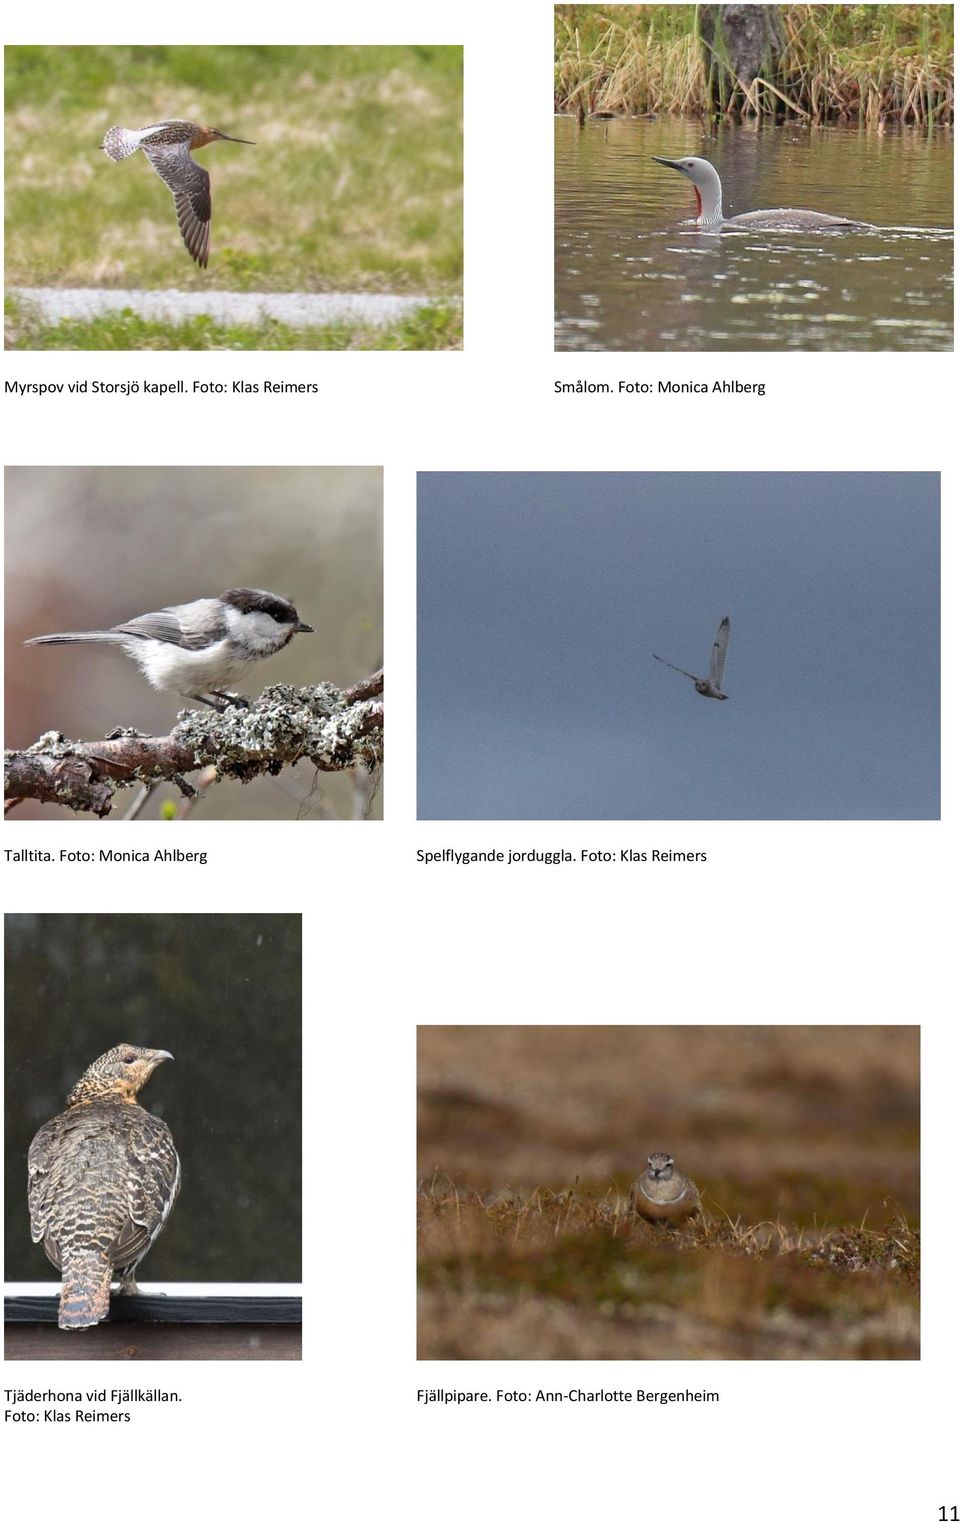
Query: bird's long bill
670	163
249	141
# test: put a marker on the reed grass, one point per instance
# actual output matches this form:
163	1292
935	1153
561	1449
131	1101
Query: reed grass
870	64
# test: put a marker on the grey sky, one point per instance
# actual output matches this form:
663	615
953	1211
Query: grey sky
542	596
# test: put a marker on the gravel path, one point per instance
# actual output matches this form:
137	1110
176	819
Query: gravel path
295	308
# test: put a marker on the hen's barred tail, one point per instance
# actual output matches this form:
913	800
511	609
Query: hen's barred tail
85	1291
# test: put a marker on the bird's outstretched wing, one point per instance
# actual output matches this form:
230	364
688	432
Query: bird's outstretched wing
718	655
675	668
190	185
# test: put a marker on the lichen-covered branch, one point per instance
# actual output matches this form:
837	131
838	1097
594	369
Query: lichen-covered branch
334	729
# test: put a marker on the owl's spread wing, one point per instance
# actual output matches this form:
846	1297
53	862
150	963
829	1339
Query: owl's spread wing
675	668
718	655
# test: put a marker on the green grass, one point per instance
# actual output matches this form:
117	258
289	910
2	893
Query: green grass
355	182
438	326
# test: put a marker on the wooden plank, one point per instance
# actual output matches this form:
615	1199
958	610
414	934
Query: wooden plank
262	1310
113	1340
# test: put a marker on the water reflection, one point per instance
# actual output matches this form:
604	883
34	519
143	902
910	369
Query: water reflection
634	272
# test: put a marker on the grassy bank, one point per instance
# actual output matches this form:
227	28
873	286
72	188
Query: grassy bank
434	327
564	1276
354	182
865	63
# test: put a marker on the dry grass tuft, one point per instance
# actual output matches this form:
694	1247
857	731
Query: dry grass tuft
606	1284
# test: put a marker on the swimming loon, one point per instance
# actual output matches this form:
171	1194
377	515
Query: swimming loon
706	184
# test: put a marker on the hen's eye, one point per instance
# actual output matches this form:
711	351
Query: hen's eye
129	1057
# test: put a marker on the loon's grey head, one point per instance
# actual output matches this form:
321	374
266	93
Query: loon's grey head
700	171
706	184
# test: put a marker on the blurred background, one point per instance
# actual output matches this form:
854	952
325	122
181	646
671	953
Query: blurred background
541	597
353	180
795	1121
89	547
803	1142
222	993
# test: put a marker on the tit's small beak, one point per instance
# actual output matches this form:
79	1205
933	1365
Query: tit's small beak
304	629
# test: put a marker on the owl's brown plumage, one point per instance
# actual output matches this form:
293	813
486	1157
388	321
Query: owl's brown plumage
102	1180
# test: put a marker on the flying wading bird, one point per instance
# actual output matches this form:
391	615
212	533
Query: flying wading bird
167	145
709	687
709	194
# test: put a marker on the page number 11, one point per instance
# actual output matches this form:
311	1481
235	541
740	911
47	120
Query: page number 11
948	1515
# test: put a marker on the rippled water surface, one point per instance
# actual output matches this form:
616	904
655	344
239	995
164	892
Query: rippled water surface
633	272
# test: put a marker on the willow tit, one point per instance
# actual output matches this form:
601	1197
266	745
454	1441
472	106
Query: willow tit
195	649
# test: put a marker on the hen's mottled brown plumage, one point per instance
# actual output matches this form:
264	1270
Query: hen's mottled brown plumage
102	1180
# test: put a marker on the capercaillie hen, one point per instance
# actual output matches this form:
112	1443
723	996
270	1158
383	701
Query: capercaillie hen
102	1180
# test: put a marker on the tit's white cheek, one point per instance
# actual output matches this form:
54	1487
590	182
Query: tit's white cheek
258	633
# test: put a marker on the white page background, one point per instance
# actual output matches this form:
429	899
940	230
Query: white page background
823	922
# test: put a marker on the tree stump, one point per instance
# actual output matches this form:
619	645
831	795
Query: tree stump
740	43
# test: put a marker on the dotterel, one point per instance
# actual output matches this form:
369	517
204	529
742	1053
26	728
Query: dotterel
661	1193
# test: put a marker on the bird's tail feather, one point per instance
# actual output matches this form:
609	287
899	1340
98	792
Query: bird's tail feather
85	1291
80	637
120	142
